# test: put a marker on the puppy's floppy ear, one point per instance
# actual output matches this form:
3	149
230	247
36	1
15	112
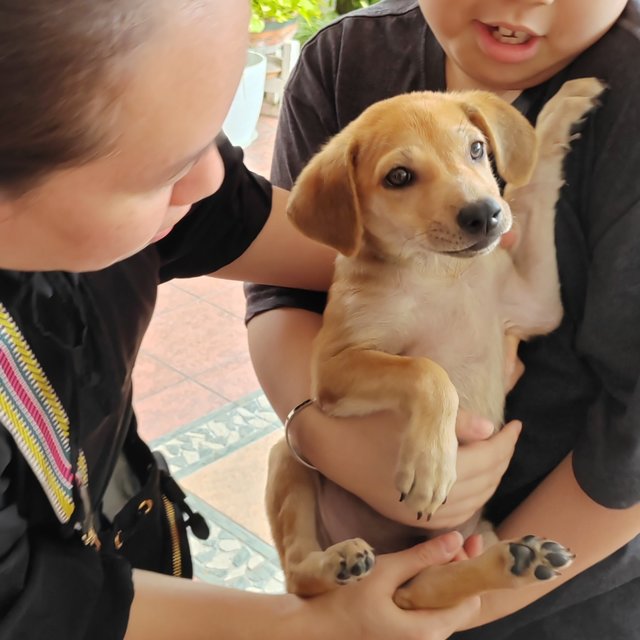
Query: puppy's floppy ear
512	138
324	201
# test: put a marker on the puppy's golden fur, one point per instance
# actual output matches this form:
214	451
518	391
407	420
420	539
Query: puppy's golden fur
421	300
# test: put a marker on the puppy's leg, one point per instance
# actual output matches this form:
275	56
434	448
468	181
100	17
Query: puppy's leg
359	381
505	565
291	507
532	291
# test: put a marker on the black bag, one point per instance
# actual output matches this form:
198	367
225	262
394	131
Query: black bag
151	528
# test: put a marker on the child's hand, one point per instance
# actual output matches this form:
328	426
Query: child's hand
482	461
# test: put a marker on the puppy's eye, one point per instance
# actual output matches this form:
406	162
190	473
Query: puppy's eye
476	151
398	177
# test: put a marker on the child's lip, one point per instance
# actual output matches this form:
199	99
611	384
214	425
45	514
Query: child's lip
505	53
512	27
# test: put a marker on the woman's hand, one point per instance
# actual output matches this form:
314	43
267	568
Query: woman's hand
365	610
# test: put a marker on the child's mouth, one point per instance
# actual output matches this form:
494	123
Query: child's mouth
506	44
506	36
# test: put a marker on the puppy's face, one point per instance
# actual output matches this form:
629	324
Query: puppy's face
413	174
425	181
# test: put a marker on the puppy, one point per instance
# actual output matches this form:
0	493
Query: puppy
416	317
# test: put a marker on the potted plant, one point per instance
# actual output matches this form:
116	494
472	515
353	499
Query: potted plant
240	123
276	21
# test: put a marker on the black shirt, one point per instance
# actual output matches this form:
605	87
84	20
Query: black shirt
86	330
580	389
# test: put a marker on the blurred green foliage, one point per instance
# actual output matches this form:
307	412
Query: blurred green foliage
312	14
330	10
344	6
283	11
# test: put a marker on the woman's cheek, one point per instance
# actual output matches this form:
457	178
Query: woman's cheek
140	220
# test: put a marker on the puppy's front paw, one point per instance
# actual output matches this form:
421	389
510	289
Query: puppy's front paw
348	561
536	559
426	471
557	121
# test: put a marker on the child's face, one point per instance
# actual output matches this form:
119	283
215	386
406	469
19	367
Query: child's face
181	83
548	35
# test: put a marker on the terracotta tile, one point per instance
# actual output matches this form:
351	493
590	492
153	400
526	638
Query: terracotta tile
171	297
235	485
233	380
203	286
258	155
151	376
194	337
175	407
231	300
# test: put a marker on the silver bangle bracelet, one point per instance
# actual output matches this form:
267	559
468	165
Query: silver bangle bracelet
287	424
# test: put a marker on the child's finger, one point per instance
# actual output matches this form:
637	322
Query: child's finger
471	428
473	546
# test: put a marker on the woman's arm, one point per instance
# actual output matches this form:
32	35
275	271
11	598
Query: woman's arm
559	509
281	255
172	608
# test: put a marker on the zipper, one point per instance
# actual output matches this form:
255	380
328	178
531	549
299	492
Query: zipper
176	554
89	534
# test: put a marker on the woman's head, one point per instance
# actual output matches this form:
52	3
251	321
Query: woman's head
504	45
108	111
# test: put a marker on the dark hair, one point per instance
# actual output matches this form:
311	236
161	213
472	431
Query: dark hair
62	69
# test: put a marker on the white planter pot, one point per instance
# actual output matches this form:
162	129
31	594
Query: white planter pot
240	123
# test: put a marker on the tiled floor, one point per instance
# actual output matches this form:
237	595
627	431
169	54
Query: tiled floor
198	400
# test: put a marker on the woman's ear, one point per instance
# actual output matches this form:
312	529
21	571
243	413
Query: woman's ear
324	201
512	138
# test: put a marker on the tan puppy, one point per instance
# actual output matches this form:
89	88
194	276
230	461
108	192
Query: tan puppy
421	300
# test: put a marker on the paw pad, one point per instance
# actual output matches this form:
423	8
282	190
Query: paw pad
538	557
350	560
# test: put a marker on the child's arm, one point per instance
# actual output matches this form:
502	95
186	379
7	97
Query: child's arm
559	509
359	454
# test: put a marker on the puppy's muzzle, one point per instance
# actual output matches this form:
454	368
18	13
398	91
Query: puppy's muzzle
481	219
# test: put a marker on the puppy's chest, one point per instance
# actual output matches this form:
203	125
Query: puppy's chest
458	323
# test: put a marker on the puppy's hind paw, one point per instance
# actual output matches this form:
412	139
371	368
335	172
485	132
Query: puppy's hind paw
348	561
538	559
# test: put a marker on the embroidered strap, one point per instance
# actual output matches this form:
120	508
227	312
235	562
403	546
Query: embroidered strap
34	416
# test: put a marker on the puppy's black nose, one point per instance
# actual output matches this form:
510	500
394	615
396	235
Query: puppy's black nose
480	218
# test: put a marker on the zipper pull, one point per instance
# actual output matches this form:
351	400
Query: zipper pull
89	534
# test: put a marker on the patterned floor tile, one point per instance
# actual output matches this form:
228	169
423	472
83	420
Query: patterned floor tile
209	439
233	556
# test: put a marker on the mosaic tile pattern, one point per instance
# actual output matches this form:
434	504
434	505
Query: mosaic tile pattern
232	556
211	438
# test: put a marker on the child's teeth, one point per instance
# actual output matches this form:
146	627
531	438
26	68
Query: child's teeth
502	34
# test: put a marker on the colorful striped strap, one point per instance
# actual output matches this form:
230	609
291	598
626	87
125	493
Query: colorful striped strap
34	416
